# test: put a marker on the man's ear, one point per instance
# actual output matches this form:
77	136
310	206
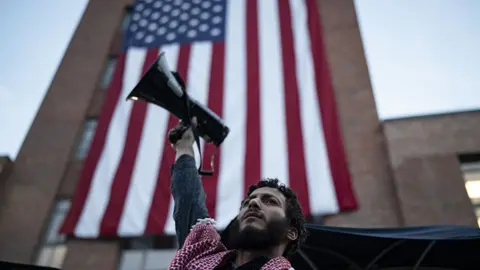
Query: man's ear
292	234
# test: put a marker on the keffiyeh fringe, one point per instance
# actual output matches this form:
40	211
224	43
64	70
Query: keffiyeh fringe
210	221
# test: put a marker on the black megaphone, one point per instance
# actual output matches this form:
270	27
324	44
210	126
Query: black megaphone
164	88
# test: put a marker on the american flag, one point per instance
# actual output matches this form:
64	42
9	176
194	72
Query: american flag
260	65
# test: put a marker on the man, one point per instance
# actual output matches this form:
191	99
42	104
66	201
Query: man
268	228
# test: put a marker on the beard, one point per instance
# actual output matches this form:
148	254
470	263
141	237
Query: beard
251	238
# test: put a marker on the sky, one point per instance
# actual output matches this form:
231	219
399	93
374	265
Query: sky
34	36
423	57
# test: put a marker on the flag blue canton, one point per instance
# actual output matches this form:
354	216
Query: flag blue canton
154	23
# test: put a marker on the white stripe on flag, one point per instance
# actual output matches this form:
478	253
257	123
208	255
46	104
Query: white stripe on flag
232	159
144	178
199	78
272	105
99	193
321	190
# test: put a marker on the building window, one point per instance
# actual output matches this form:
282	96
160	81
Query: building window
86	139
126	18
54	248
108	74
149	253
471	172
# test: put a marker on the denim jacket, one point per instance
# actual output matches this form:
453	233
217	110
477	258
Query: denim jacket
188	195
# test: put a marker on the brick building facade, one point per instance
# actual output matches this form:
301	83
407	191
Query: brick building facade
405	172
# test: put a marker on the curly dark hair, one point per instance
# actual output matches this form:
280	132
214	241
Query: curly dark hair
293	212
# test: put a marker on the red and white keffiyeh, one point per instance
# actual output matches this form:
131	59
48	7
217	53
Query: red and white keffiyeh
204	250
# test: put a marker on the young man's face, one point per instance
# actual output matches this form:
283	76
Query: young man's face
263	206
262	221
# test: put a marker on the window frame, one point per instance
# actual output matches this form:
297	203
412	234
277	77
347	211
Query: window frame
53	247
108	72
472	166
89	128
146	247
127	15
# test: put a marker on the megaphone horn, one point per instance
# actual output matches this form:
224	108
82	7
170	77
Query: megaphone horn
162	66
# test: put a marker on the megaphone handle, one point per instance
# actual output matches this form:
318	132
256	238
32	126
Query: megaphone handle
196	137
200	171
212	160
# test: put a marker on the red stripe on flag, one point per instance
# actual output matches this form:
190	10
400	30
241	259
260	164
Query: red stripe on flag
158	213
296	158
123	175
215	103
96	148
326	98
252	167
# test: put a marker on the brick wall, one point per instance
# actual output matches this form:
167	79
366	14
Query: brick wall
362	133
6	167
424	154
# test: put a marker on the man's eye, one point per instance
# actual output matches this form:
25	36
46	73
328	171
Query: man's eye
270	201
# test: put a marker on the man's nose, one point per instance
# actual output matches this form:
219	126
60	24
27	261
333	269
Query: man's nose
254	203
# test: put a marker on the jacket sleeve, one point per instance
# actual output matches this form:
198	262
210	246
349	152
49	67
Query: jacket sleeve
188	196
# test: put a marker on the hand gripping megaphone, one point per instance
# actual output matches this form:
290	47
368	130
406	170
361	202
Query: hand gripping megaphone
164	88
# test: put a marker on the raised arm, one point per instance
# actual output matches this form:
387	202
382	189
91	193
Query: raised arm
187	190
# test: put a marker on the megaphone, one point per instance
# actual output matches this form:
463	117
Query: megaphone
165	88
